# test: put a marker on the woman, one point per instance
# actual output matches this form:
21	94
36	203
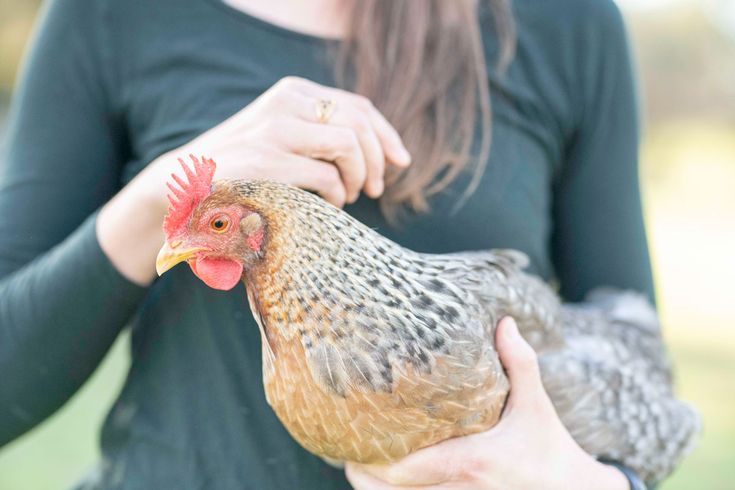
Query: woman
113	91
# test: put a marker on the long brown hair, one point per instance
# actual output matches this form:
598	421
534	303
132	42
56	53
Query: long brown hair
422	64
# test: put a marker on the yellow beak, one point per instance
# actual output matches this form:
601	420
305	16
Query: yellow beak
172	254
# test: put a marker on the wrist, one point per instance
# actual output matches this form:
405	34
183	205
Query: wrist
129	225
149	186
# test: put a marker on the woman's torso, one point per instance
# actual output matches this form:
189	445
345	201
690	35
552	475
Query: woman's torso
193	413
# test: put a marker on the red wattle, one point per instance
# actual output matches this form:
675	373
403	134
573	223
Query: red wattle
223	274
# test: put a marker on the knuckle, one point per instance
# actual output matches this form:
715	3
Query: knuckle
268	153
363	102
258	151
283	82
273	125
351	141
361	124
324	148
329	176
289	81
271	95
282	100
346	140
344	137
527	362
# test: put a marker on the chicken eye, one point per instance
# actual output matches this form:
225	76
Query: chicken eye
219	224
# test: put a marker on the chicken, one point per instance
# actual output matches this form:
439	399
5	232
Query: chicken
372	351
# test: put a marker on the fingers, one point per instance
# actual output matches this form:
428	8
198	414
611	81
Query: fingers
393	147
371	148
521	364
449	461
362	479
329	143
357	139
314	175
267	162
379	141
392	476
389	139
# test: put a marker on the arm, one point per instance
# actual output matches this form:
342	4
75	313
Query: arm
599	238
61	301
280	128
68	281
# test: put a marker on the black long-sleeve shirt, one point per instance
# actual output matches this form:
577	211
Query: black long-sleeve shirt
110	85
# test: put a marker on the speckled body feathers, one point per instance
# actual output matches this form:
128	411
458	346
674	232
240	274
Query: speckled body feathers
372	351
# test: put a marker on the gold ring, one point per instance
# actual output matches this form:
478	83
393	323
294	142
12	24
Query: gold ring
324	109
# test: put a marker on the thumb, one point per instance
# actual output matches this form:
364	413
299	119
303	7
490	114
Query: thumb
521	364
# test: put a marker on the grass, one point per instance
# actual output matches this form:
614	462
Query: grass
706	378
689	177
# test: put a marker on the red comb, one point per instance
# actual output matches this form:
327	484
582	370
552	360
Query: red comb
188	195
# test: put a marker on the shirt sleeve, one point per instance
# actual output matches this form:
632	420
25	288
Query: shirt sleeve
62	303
599	237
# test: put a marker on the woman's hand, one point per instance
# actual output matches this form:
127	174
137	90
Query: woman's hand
528	449
276	137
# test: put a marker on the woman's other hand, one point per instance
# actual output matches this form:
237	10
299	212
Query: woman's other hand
277	137
529	448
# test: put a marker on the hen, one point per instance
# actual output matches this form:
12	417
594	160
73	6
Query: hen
372	351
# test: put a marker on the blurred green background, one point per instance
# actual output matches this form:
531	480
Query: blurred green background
685	51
